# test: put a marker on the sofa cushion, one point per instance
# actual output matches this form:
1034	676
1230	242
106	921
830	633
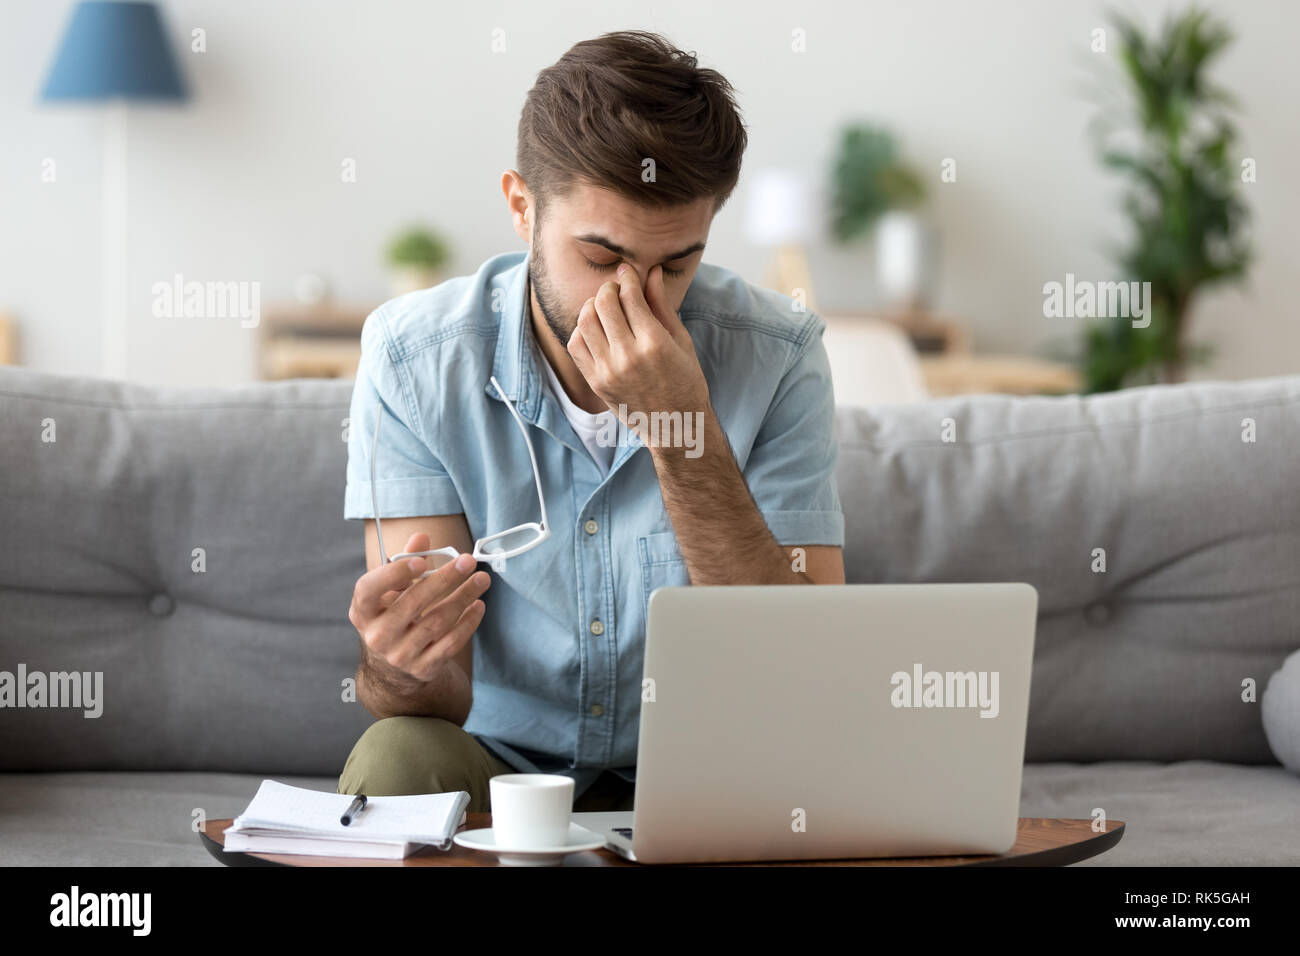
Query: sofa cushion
236	663
1199	529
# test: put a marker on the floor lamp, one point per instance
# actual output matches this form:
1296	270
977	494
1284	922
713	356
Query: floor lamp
114	53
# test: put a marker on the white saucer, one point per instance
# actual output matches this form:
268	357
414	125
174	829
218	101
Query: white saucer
579	840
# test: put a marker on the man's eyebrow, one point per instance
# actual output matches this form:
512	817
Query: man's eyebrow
615	248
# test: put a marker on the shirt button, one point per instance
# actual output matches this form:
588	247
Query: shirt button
597	628
597	710
591	527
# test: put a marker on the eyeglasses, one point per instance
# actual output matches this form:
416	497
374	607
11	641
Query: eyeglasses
495	548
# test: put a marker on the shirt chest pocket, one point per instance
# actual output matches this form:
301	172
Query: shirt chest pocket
662	565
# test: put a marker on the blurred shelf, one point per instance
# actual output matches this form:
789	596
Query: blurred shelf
328	317
310	358
311	341
1005	374
8	341
950	367
929	334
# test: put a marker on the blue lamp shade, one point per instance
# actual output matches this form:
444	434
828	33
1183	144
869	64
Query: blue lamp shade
113	50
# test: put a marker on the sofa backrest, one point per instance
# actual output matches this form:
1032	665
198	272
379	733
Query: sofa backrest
189	545
1189	494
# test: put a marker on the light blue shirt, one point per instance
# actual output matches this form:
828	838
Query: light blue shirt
559	655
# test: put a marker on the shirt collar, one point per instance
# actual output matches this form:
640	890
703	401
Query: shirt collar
515	362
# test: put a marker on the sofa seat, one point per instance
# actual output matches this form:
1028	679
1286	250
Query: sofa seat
1193	813
1189	813
119	818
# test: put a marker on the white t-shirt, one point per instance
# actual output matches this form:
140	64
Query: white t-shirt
586	425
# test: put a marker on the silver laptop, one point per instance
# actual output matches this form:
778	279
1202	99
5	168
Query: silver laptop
825	722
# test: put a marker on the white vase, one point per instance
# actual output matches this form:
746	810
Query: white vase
905	252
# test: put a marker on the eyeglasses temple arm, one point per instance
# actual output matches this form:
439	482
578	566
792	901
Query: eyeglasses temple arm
532	456
374	447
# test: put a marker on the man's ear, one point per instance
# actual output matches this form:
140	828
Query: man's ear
520	203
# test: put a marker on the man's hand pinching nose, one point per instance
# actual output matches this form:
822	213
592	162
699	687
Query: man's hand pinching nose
634	351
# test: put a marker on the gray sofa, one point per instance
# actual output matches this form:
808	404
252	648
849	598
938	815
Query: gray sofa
189	545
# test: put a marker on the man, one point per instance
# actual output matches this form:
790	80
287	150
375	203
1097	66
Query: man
682	426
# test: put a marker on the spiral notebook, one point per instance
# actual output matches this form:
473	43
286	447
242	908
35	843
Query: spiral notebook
285	819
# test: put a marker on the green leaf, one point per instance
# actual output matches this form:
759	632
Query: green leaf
1186	216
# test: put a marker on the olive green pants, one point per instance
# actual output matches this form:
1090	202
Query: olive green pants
401	755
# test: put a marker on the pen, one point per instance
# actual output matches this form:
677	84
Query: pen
353	809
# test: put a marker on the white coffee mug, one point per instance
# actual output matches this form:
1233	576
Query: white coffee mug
531	810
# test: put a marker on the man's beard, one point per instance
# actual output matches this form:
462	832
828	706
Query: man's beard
547	298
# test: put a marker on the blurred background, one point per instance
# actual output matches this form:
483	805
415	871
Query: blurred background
207	192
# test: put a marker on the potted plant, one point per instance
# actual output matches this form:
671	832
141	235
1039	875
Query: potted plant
1183	206
873	189
415	259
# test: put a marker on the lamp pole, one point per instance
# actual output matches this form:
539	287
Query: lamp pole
112	53
113	352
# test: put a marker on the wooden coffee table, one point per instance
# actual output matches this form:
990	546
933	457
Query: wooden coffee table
1039	842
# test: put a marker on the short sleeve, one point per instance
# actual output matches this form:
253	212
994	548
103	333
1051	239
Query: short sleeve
410	481
791	467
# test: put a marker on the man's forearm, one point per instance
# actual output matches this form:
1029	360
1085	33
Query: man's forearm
386	692
719	529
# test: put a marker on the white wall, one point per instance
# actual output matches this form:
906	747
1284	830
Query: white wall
243	183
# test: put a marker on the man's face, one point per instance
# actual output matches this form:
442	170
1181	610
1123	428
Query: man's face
584	236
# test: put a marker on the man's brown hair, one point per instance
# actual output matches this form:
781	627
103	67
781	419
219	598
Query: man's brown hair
611	103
